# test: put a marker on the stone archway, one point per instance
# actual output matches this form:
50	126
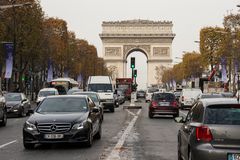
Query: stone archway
153	38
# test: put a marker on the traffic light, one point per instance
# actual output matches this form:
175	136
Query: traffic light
135	73
132	62
23	78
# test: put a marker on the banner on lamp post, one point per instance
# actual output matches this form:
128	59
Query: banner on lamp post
223	70
9	59
236	68
80	80
50	71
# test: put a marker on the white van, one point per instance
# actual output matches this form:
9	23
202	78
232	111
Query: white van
104	87
188	97
43	93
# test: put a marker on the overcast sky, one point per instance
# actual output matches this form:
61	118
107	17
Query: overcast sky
85	17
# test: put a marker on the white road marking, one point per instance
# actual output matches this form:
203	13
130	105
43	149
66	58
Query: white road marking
185	114
133	114
114	155
6	144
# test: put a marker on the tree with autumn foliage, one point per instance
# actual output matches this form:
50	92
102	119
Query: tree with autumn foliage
191	66
213	44
232	26
40	39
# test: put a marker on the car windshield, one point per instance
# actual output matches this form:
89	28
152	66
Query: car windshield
13	97
46	93
152	90
192	93
164	96
100	87
211	96
71	91
225	115
52	105
91	95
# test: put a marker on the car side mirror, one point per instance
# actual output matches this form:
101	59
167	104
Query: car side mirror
179	119
95	110
31	111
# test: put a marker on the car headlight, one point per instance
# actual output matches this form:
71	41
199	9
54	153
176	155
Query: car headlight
29	126
78	126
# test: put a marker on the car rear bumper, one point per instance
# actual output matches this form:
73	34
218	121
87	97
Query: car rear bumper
108	105
173	111
208	152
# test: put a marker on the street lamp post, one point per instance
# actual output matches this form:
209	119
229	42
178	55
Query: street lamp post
13	5
238	75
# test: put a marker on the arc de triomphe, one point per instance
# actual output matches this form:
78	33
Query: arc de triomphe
121	38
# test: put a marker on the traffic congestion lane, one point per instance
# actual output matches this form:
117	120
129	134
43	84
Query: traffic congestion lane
112	125
157	137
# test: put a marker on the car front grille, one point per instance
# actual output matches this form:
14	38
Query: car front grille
54	127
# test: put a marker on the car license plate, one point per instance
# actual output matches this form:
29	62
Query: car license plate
234	156
53	136
163	103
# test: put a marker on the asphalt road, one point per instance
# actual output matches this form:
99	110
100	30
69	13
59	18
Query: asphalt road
127	134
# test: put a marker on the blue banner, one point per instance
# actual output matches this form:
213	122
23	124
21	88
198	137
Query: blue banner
224	70
9	59
65	74
236	68
50	71
79	78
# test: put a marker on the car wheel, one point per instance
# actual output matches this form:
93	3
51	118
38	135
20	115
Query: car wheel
90	139
4	119
150	114
176	115
99	133
28	145
112	109
22	114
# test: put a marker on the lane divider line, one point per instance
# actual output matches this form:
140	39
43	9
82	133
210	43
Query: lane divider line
114	155
6	144
133	114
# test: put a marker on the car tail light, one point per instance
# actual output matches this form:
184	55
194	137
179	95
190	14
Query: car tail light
182	98
203	133
154	104
174	104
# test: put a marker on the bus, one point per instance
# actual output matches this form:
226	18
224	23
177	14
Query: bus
63	84
125	84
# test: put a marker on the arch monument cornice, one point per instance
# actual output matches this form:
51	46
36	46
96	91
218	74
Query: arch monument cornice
152	38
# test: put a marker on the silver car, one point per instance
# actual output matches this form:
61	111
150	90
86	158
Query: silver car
211	131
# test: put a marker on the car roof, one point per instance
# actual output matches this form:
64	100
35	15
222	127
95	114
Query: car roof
218	101
85	92
211	94
162	93
48	89
67	96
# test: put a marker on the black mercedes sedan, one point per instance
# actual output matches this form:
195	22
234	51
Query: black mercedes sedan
63	119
